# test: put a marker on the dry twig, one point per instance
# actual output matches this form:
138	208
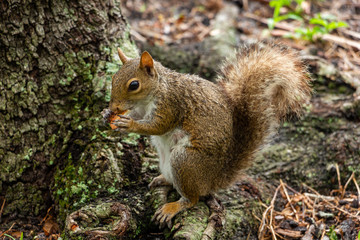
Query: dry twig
338	177
263	224
2	208
346	184
288	198
332	205
357	186
7	230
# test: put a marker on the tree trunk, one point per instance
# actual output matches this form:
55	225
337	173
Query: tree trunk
56	62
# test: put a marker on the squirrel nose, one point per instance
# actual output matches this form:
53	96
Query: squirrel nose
115	108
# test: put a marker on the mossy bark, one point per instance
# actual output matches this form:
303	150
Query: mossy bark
56	62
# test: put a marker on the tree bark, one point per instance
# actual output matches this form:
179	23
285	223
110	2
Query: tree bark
56	62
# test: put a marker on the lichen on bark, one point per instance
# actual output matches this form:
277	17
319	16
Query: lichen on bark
52	56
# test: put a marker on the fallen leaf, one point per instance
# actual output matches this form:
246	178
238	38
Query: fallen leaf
74	227
50	227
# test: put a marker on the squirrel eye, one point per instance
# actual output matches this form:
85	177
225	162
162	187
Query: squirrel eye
134	85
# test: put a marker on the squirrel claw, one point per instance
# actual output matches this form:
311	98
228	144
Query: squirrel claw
164	214
158	181
162	219
124	122
125	117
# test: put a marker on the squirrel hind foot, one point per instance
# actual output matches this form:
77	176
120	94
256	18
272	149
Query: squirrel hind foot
164	214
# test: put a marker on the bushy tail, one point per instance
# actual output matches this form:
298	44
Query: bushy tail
264	83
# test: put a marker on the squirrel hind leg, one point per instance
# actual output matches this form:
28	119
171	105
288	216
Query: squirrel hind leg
165	213
185	182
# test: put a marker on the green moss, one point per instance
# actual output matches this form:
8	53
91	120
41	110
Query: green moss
131	138
32	205
193	222
70	187
77	184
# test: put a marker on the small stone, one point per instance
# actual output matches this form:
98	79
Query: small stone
301	229
343	202
293	223
325	214
285	224
355	203
309	220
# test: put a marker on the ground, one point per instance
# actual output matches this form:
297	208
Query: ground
318	151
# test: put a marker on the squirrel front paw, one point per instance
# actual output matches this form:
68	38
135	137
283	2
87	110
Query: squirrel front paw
159	181
124	123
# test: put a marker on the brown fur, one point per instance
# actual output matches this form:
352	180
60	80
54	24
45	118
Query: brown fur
264	84
227	123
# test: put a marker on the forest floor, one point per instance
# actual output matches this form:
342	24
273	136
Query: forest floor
327	33
296	209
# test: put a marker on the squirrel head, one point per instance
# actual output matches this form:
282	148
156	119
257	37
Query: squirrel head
133	83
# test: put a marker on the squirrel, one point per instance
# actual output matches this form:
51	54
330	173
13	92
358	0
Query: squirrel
206	132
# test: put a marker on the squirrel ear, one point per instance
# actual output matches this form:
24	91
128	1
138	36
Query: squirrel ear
147	63
122	56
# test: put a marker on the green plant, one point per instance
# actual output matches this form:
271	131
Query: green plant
277	5
321	23
307	33
332	234
9	236
327	22
359	235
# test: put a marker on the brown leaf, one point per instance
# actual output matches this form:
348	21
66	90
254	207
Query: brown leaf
16	234
50	227
287	212
297	198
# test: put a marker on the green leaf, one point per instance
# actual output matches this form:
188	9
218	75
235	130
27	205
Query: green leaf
335	25
280	18
305	33
7	235
277	4
318	21
299	2
320	30
271	23
342	24
294	16
359	235
143	8
273	3
332	234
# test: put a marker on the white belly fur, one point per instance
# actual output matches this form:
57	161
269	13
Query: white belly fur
165	144
171	142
